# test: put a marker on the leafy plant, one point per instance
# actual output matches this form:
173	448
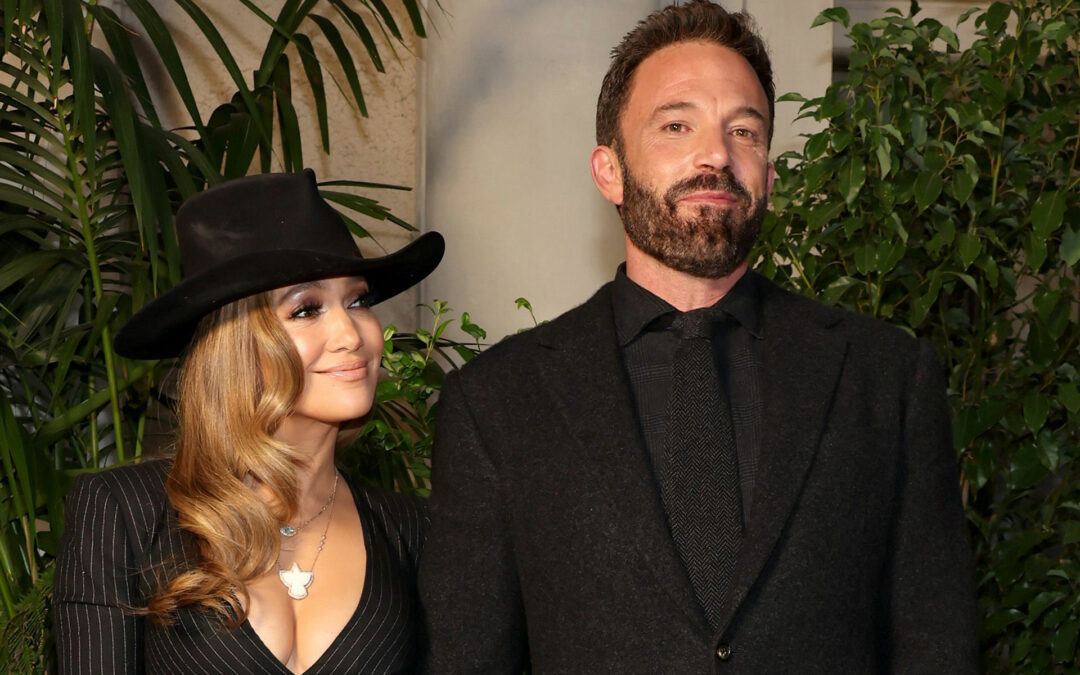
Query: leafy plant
89	181
943	196
394	443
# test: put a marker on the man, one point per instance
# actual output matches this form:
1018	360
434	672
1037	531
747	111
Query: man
696	471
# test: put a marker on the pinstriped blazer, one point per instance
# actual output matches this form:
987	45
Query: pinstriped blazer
122	542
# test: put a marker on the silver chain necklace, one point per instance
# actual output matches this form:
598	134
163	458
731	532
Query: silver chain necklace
298	580
290	531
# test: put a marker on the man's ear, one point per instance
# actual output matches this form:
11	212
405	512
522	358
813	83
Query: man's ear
607	174
770	178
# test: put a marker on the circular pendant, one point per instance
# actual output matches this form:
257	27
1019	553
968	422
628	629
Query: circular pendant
288	530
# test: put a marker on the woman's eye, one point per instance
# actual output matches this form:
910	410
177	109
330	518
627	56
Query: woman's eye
361	302
305	311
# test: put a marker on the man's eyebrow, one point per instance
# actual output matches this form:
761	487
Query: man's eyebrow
743	111
673	106
750	111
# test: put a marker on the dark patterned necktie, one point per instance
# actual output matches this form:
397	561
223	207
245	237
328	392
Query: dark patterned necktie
700	485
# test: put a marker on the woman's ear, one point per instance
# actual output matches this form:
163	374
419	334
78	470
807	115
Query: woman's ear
607	173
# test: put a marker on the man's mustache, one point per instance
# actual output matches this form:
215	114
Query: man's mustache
724	181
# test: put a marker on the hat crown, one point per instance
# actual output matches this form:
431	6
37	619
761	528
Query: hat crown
267	212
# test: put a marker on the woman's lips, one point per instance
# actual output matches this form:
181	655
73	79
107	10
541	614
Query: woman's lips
347	372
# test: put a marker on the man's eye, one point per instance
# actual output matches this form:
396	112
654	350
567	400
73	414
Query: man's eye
744	133
305	311
677	127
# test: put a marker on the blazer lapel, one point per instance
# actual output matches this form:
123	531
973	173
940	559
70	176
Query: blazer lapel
802	360
586	380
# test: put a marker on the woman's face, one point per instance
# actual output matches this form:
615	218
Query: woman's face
339	341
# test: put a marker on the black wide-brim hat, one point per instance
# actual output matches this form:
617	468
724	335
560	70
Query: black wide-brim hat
255	234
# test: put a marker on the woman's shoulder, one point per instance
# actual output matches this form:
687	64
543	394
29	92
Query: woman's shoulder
137	491
111	518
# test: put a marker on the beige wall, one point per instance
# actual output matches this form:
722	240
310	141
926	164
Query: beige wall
510	94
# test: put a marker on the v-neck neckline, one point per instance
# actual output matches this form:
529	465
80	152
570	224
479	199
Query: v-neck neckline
366	524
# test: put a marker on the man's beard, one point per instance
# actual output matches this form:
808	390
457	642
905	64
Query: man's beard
711	243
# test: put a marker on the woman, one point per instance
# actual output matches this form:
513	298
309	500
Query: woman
249	552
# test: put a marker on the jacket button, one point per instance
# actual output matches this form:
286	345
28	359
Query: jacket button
723	652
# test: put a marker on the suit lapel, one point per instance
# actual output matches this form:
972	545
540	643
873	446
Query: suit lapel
587	382
802	360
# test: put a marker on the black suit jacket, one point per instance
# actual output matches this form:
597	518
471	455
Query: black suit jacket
548	530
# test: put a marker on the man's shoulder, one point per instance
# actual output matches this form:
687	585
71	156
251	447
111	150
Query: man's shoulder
562	331
787	309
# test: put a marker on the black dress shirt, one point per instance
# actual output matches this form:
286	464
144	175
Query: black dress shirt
647	345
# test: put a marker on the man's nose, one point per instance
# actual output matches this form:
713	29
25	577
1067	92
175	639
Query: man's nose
712	151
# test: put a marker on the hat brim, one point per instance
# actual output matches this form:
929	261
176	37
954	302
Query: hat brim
163	327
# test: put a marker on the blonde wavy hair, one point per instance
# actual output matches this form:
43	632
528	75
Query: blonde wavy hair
242	376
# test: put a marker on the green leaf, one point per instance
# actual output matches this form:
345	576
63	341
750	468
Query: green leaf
1069	396
413	8
1070	246
292	149
968	280
387	18
1034	251
917	129
1063	644
313	71
832	15
361	30
62	424
225	57
1036	409
969	247
865	258
77	48
884	156
1025	469
927	189
852	176
288	19
834	291
333	36
996	15
1071	531
166	50
476	332
1048	212
118	38
816	145
888	254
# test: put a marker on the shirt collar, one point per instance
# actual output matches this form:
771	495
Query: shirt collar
637	309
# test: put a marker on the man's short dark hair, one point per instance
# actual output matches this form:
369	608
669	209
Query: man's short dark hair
696	20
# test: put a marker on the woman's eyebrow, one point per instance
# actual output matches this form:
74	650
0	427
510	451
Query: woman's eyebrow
298	288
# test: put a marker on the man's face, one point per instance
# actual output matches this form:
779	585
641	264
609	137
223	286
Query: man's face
693	175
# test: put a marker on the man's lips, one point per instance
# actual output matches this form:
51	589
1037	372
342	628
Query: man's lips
347	372
708	197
